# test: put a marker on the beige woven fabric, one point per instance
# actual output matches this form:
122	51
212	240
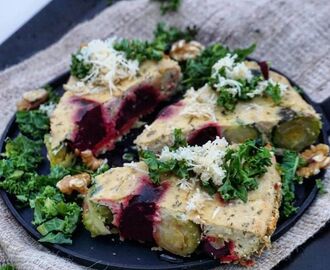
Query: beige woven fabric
294	35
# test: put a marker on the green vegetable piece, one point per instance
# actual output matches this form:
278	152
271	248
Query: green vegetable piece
56	238
7	267
96	217
288	166
297	134
179	139
51	225
178	236
240	134
244	166
61	156
34	123
78	68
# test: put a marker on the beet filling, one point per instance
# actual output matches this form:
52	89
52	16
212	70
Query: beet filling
137	218
91	128
135	105
208	132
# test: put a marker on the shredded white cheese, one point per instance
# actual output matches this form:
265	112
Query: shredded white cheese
205	161
108	65
48	109
261	87
200	103
234	71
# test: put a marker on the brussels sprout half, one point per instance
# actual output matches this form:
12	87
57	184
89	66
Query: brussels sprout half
95	217
296	134
62	156
178	236
241	133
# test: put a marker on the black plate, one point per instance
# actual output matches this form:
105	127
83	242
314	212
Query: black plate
109	251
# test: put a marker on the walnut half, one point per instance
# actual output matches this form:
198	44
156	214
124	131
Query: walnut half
32	99
78	182
317	158
89	159
183	50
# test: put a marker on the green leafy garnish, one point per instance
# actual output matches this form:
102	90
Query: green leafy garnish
55	218
274	91
320	186
158	168
289	165
197	71
179	139
169	5
154	50
243	166
78	67
35	123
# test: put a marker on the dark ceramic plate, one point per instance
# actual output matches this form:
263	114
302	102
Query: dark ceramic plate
108	251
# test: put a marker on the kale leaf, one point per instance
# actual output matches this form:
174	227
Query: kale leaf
288	166
243	167
158	168
55	218
78	67
35	123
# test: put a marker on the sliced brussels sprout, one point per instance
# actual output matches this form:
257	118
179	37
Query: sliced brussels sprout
176	235
96	217
59	157
241	133
296	134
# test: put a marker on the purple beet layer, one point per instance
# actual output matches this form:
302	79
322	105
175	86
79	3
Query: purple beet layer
99	125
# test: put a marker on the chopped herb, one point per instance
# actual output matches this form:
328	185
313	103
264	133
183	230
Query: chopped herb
179	139
157	167
320	186
243	166
169	5
197	71
288	166
154	50
274	91
78	68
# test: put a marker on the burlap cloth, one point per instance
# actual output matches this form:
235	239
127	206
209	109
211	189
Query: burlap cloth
294	35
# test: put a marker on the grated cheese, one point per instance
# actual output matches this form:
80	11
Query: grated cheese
260	89
238	71
233	72
204	99
108	65
48	109
205	161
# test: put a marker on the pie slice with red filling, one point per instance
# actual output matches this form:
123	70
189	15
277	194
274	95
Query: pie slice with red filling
96	120
179	219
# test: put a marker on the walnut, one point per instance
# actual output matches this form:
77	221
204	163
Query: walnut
317	158
78	182
32	99
90	160
182	50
